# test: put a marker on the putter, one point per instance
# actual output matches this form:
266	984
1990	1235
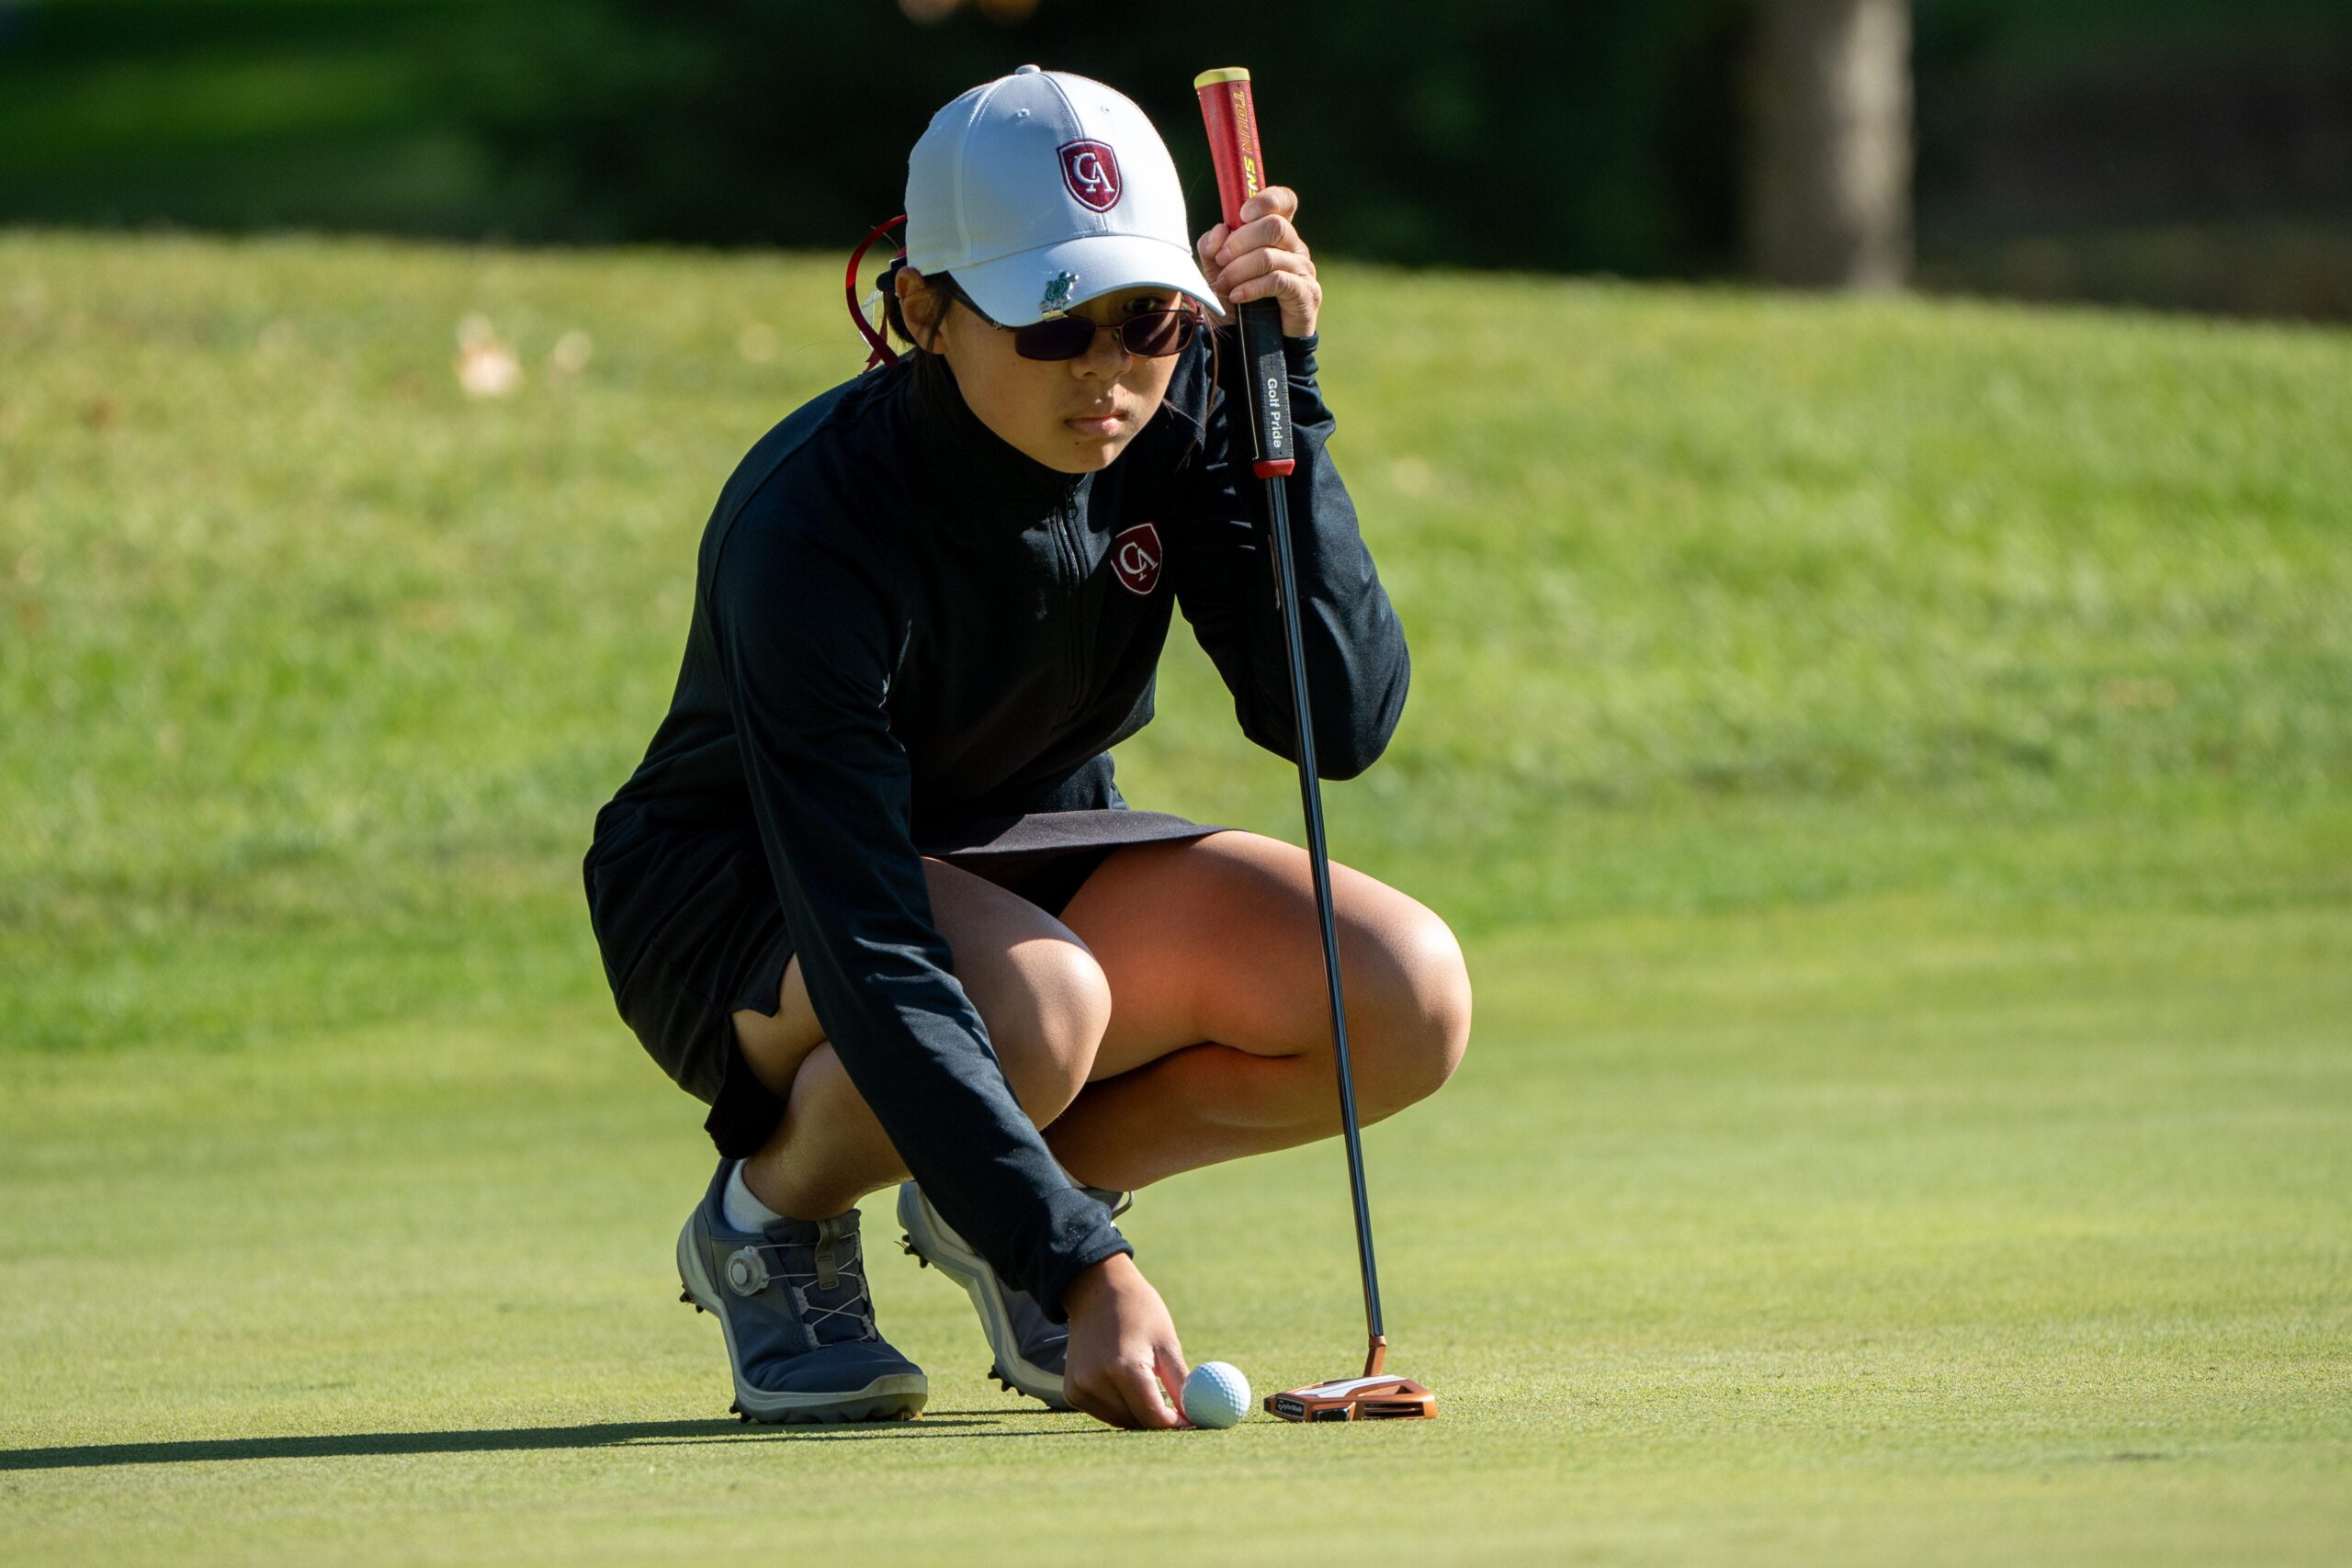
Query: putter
1232	120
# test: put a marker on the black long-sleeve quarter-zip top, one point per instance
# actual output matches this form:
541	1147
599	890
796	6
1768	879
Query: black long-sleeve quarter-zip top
907	634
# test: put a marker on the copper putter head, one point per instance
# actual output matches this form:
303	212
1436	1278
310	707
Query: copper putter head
1355	1399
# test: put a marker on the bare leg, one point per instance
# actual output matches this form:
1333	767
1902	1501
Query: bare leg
1219	1039
1175	1017
1045	1003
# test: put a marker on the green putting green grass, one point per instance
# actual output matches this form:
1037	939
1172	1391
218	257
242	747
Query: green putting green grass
1888	764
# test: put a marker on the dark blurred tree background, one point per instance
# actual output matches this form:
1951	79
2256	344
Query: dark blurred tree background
2191	153
1830	139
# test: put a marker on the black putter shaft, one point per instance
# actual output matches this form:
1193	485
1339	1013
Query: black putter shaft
1311	796
1227	108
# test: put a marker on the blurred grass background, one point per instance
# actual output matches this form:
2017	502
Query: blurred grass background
1887	762
1715	602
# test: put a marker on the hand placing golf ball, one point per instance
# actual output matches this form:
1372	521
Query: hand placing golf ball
1215	1394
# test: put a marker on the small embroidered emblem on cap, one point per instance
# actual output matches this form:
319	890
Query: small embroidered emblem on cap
1059	292
1091	171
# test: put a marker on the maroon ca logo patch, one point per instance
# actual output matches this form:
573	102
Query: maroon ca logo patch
1092	171
1135	556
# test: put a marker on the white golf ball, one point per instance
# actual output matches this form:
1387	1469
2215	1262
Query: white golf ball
1215	1394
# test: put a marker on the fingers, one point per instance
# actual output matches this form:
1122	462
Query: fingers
1275	231
1084	1398
1086	1401
1168	1359
1265	259
1122	1349
1271	198
1300	296
1152	1404
1133	1397
1260	264
1267	219
1303	296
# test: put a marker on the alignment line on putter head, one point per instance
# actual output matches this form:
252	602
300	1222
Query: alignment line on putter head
1228	111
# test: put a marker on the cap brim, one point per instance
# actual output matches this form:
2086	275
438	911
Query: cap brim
1012	289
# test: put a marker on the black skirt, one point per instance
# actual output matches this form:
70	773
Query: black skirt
679	976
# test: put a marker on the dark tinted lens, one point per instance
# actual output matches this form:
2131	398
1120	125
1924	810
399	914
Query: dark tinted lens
1065	337
1158	334
1152	335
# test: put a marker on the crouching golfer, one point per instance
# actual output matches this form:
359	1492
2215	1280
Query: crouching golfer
873	895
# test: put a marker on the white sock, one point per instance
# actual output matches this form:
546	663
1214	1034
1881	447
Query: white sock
745	1212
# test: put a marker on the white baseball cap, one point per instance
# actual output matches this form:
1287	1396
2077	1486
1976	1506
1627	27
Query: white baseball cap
1040	190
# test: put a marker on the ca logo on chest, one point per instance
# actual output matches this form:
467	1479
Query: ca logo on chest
1135	555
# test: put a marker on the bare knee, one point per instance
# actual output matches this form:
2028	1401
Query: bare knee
1417	1022
1046	1027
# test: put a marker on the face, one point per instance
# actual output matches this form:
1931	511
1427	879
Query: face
1073	415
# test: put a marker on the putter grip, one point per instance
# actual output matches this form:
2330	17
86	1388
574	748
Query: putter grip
1232	120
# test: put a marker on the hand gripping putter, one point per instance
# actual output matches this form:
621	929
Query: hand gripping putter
1241	172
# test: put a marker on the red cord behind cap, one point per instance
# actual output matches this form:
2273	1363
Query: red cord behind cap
883	352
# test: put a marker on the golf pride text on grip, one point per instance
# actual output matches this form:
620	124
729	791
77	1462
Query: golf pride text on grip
1232	121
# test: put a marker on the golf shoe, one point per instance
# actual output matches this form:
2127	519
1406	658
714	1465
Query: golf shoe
792	1302
1029	1347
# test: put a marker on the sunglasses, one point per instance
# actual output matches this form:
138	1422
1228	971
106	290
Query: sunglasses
1147	334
